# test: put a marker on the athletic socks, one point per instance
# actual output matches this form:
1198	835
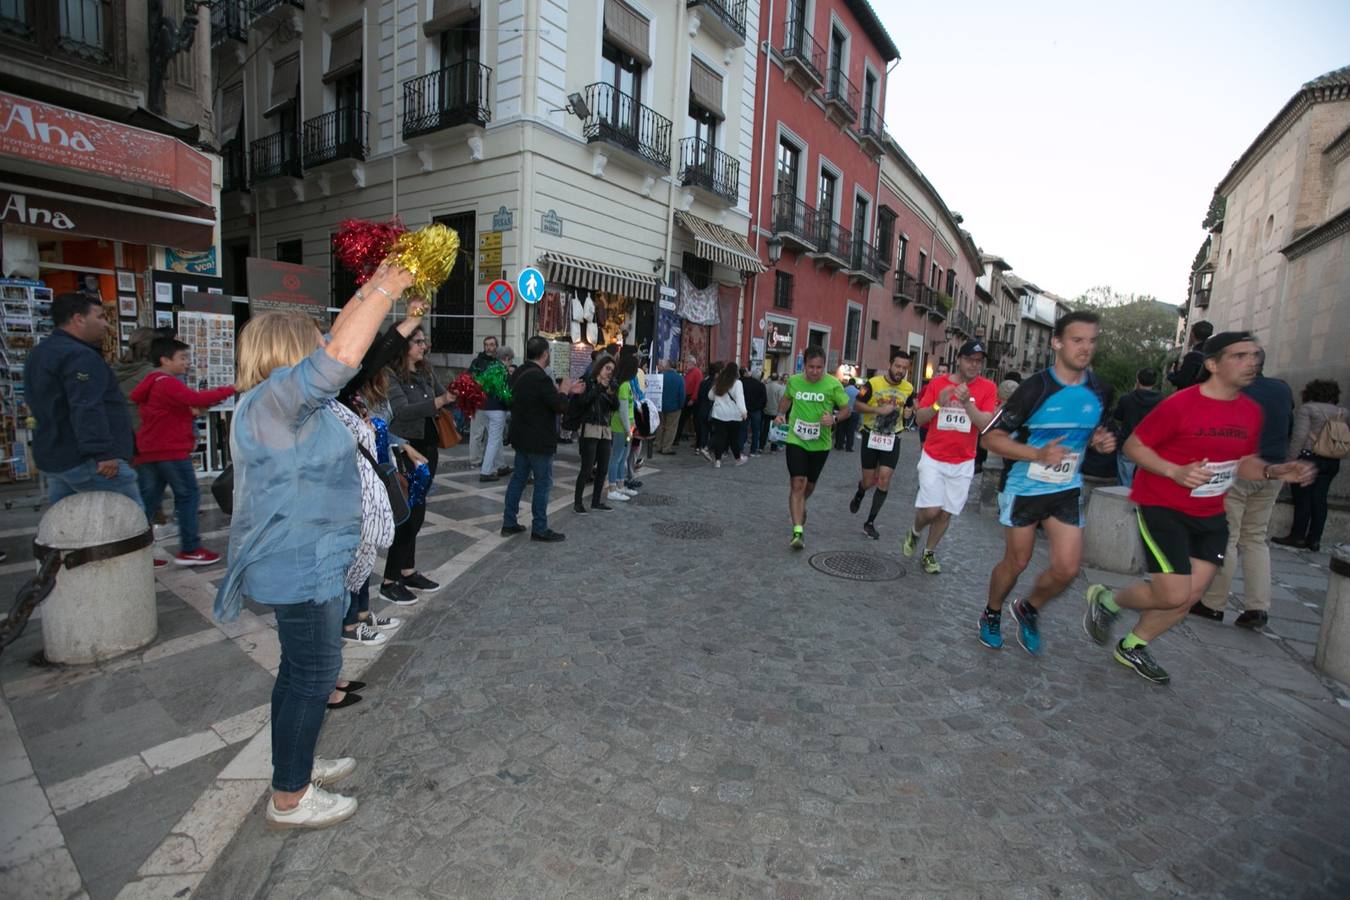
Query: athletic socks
1132	640
878	498
1108	601
862	492
797	529
993	613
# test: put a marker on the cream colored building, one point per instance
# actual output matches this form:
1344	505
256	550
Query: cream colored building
1278	255
606	142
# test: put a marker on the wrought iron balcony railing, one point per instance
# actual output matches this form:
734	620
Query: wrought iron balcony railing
865	262
834	242
794	220
229	21
802	50
704	166
841	93
904	286
730	14
275	156
340	134
871	128
234	166
455	95
621	120
1202	298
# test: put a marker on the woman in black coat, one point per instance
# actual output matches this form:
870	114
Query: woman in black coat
599	402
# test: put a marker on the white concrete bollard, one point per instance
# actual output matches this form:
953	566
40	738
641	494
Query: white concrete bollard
1111	536
103	608
1333	642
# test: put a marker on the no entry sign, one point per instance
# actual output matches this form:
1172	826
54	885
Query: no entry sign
500	298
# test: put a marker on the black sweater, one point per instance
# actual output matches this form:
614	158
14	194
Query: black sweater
535	404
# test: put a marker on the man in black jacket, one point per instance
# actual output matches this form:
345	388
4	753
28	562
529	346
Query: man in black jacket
1129	412
535	405
1191	370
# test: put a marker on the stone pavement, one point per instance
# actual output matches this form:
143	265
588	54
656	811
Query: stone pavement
672	704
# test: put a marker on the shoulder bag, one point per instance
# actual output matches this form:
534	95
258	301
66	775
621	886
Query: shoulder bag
393	484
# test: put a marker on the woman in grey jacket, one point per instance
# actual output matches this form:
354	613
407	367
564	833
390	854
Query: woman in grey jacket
1320	405
415	396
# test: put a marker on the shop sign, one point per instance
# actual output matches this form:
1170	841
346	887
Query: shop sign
551	223
193	262
66	216
489	256
286	287
778	337
54	136
503	219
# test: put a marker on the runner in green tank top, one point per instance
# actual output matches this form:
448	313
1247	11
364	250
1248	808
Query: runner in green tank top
812	405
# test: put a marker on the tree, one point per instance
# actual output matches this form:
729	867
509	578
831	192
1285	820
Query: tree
1136	332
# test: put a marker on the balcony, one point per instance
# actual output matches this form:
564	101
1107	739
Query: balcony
1201	300
794	222
834	244
274	156
872	132
723	19
939	306
704	167
803	58
865	264
334	136
621	121
904	289
453	96
841	98
229	22
234	166
962	325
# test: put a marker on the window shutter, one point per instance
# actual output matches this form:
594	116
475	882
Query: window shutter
231	110
285	84
345	56
627	30
446	14
705	87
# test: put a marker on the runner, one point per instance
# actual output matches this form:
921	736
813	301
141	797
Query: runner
1042	433
958	406
811	406
881	400
1188	450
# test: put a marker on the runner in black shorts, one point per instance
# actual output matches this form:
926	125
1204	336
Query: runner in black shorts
813	403
1188	450
881	400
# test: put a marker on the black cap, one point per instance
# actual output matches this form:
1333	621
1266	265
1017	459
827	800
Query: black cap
971	348
1215	344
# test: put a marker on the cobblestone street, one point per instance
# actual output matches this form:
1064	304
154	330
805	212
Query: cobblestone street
629	714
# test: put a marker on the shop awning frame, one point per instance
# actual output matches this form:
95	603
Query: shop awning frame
565	269
721	245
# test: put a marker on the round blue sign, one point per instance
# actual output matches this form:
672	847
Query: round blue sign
530	285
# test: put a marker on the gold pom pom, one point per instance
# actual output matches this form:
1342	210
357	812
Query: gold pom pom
429	254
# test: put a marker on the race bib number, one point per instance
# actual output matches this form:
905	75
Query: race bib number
807	431
778	433
883	442
953	418
1219	482
1059	474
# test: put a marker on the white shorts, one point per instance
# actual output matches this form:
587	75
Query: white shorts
943	485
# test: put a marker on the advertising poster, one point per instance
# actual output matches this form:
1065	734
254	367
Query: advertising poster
211	337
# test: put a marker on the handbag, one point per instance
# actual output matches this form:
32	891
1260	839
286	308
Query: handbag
447	432
389	476
1333	439
222	488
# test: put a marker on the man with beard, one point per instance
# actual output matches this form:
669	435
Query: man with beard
880	400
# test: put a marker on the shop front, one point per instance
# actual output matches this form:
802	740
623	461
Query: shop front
710	289
587	304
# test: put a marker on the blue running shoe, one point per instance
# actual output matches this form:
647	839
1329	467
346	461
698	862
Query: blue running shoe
1028	629
991	631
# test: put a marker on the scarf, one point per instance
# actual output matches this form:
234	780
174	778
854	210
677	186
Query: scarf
377	521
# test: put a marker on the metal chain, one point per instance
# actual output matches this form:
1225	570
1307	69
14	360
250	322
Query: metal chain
34	591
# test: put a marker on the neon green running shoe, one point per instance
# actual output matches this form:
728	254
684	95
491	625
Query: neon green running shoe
911	541
929	563
798	541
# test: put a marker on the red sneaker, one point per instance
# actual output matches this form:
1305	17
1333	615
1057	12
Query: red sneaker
198	557
161	564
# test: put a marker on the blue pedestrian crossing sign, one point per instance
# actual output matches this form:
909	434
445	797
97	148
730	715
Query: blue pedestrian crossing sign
530	285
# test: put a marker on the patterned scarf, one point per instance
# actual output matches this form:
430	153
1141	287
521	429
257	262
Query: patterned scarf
377	521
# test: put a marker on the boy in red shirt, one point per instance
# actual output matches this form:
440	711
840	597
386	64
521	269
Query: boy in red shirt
166	439
1188	450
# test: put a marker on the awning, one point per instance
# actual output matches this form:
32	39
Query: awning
98	214
628	30
446	14
721	245
593	276
705	87
344	56
285	84
231	112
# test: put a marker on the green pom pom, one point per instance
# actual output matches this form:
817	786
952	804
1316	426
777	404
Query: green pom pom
493	382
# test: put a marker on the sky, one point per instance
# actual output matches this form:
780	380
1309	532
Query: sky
1082	142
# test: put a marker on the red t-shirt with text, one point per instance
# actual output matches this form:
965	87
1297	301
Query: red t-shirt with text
1186	427
951	435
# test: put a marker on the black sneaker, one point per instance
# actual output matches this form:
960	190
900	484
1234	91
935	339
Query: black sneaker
395	593
871	531
1255	619
1198	608
1097	619
633	483
550	536
511	530
855	504
419	582
579	507
1143	663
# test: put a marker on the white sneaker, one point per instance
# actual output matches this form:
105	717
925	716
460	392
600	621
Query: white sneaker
628	492
331	771
742	461
717	464
166	531
317	809
383	623
363	634
616	495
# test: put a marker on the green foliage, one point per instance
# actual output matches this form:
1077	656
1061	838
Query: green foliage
944	301
1136	332
1217	207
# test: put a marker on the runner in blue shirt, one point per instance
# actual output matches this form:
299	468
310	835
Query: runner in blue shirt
1042	433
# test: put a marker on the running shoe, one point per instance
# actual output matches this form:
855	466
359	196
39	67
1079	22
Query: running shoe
911	541
199	557
1097	619
929	563
1142	662
1028	628
620	496
856	504
991	631
717	464
742	461
798	541
871	531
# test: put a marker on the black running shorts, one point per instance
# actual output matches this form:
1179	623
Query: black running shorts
875	459
1020	511
806	463
1172	539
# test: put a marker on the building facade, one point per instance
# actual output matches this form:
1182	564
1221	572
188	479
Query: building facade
1000	316
605	142
815	181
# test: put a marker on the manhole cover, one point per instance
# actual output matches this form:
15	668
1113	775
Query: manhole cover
653	500
857	566
687	531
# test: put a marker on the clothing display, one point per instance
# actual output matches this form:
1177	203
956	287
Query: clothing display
698	305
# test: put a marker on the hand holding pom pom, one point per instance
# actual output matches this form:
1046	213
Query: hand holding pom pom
361	246
470	394
429	253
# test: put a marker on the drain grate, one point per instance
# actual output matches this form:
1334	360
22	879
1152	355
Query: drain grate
687	531
856	566
653	500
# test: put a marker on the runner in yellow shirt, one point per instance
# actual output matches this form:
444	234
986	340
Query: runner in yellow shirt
881	402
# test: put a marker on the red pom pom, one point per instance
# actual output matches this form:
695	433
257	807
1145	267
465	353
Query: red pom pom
361	246
471	396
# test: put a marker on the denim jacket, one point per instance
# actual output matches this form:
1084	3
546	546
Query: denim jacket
297	506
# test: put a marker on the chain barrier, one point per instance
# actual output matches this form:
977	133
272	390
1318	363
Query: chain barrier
34	591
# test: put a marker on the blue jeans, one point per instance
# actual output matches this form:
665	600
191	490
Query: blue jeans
85	477
540	465
618	459
759	430
311	659
360	602
181	477
1124	470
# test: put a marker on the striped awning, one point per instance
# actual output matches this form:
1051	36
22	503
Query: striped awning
584	273
721	245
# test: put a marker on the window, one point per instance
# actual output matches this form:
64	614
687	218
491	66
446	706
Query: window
836	55
342	283
622	71
291	251
860	207
828	185
934	277
789	167
88	32
885	235
876	326
460	44
698	270
852	333
923	267
900	257
951	283
703	126
782	290
869	100
817	338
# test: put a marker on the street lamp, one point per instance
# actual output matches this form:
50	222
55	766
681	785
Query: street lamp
775	247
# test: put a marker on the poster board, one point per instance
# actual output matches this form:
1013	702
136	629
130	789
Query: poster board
286	287
211	337
581	360
653	387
